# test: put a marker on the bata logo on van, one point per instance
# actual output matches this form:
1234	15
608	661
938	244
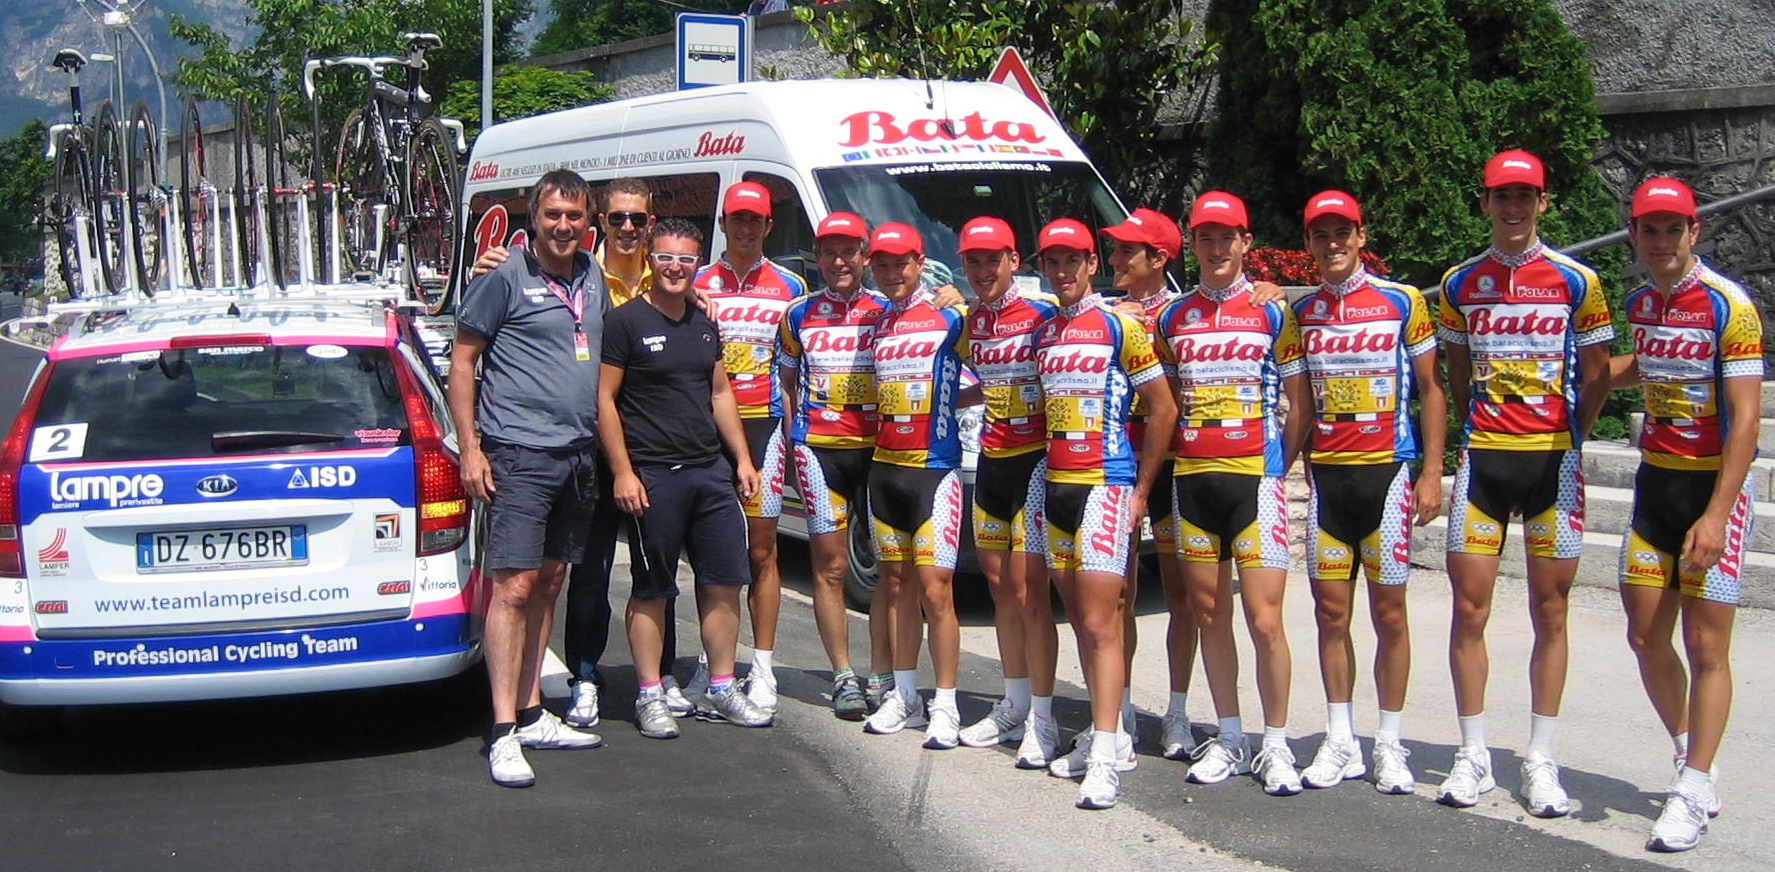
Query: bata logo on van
483	172
882	128
116	490
710	145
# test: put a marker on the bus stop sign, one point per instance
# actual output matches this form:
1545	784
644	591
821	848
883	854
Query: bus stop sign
713	50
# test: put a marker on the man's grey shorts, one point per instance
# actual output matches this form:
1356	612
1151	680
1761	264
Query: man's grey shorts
542	505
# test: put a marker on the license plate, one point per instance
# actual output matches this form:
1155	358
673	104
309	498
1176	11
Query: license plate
230	548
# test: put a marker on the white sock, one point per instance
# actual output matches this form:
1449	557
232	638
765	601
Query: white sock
1473	731
945	698
1696	780
1017	691
762	661
906	684
1275	736
1340	721
1233	730
1179	706
1392	725
1680	742
1540	735
1103	746
1043	706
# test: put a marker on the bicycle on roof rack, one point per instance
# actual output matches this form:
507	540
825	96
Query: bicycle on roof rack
86	209
395	179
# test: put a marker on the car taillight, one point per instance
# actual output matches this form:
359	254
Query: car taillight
443	503
12	459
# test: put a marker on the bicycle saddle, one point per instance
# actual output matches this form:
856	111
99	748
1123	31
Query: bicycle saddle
422	41
69	61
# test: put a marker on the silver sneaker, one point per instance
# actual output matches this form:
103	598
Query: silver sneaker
1176	739
506	763
896	714
732	706
1392	774
1467	779
1217	760
1002	725
653	716
680	704
1541	789
1335	763
1100	786
549	734
1681	824
583	714
944	731
1076	761
1274	766
1041	741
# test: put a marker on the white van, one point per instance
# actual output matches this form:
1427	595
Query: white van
931	154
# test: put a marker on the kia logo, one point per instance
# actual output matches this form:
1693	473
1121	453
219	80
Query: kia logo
214	486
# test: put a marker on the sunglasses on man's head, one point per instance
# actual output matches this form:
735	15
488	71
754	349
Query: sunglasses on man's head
618	219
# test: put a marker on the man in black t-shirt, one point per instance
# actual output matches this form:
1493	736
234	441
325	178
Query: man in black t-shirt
666	413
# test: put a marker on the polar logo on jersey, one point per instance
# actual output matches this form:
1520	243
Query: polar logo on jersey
323	476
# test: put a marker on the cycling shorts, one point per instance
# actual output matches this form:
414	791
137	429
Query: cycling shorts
1009	495
828	479
915	514
1359	515
1666	503
1545	487
1161	512
1089	527
764	438
1230	515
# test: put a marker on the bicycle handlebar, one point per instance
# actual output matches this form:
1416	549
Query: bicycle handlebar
373	65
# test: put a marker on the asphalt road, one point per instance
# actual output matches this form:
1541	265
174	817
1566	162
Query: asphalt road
396	779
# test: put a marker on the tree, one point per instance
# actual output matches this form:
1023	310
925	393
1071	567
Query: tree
582	23
23	173
520	92
1401	102
291	31
1111	70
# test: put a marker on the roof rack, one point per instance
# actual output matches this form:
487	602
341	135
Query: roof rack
81	314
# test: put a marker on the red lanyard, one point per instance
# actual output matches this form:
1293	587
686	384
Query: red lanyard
575	305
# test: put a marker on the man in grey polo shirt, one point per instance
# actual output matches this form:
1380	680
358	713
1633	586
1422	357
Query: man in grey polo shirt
527	434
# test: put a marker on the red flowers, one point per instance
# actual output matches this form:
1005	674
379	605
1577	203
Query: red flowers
1286	266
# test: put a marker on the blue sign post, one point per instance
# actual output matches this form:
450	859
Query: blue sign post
713	50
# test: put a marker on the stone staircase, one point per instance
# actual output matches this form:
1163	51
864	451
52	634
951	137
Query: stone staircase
1609	469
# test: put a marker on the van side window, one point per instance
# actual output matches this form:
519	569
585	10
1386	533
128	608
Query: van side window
791	239
695	197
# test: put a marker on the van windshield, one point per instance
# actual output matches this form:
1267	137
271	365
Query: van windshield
938	198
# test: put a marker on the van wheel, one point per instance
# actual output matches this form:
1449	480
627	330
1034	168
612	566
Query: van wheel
21	723
859	576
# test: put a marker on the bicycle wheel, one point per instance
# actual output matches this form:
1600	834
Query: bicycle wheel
108	200
148	199
432	235
367	200
66	205
246	192
284	260
198	197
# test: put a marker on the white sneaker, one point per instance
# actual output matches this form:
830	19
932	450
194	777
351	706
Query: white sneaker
699	682
1100	785
1467	779
761	689
1175	739
944	731
1274	766
1713	802
1680	825
505	760
896	714
1074	763
1392	775
680	705
1041	741
583	714
1001	725
549	734
1336	762
1217	760
1541	789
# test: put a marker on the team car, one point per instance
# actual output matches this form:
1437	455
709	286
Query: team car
218	497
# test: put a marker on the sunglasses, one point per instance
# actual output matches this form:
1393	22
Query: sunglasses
618	219
665	259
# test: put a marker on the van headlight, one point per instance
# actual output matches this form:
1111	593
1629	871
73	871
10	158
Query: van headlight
968	422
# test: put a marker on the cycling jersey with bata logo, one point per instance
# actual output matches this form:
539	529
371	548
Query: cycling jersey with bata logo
1360	337
1687	345
1001	347
749	310
1230	356
1523	318
918	356
1092	360
829	342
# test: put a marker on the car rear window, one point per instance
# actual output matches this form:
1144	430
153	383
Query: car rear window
227	401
